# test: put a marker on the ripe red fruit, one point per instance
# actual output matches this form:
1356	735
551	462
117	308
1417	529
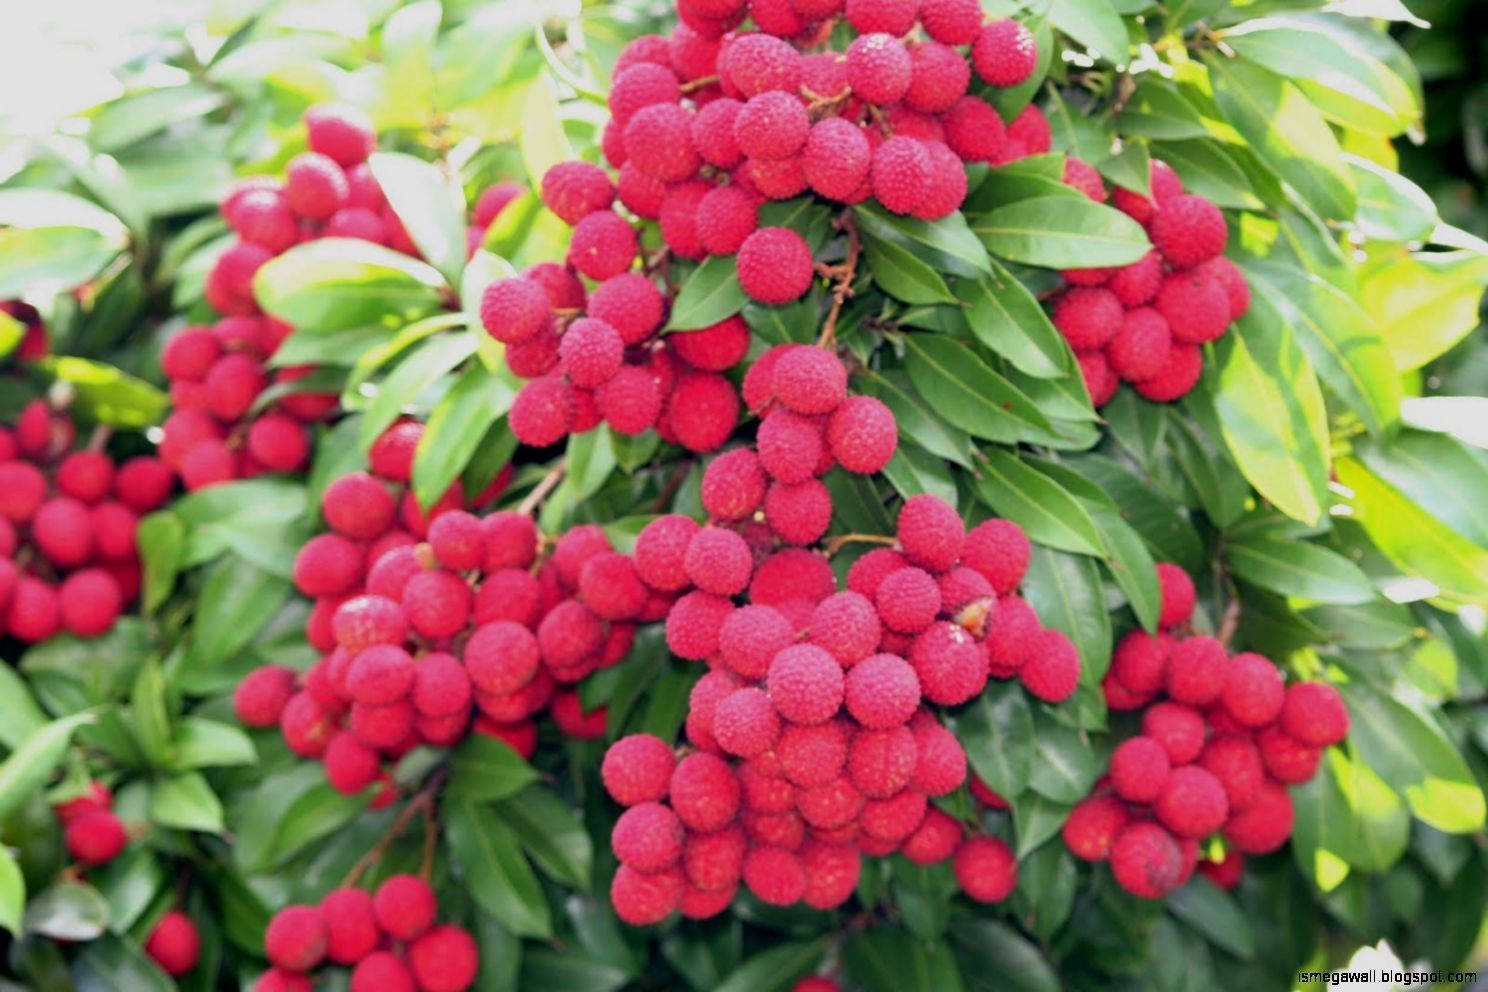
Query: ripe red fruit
733	486
902	172
278	443
350	765
575	189
1146	860
751	637
846	625
718	561
1088	317
641	899
1192	802
1236	763
630	400
930	532
907	600
296	938
95	838
1052	669
836	158
775	875
881	762
647	837
1287	759
444	960
637	768
501	657
351	926
404	906
1141	346
315	186
986	869
35	612
1004	53
774	265
1178	728
771	126
878	67
280	980
63	531
805	684
1140	662
810	380
259	699
1254	692
542	412
798	513
1139	766
1188	230
1314	714
1177	376
704	791
90	600
174	944
1194	304
514	310
1196	670
1093	825
862	434
327	565
694	622
1265	824
340	132
142	484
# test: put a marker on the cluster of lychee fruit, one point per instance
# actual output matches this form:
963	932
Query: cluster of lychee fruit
91	832
68	559
1146	323
811	738
597	356
1221	739
437	624
220	428
389	939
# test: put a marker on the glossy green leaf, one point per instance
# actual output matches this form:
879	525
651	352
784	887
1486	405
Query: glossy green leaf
708	295
550	834
541	136
1049	514
202	743
1423	302
1130	564
20	717
915	416
27	768
1297	568
138	115
902	275
51	259
478	398
420	369
1158	109
1094	24
776	968
1061	232
996	729
1065	591
186	802
1391	207
1208	169
235	601
334	283
485	768
995	956
1064	766
161	539
1438	474
1286	132
1345	817
68	910
913	471
12	892
1215	914
893	960
947	243
496	874
430	207
108	394
1005	316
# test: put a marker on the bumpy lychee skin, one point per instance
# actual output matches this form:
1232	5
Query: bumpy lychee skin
1194	305
351	925
1178	728
719	346
661	550
836	158
647	837
702	411
949	664
1146	860
637	768
1188	230
501	657
1178	595
862	434
350	765
694	622
810	380
934	840
718	560
575	189
1196	670
1052	669
95	838
90	600
1237	290
444	960
315	186
1004	53
404	906
542	413
174	944
751	637
590	352
901	173
878	68
1254	692
1093	825
630	303
774	875
641	899
930	532
1265	824
296	938
1141	346
1139	766
774	265
908	600
1314	714
1192	802
999	550
733	485
1287	759
603	245
847	626
745	723
986	869
704	791
381	971
789	446
1088	317
1140	662
340	132
805	684
1236	763
881	762
1177	376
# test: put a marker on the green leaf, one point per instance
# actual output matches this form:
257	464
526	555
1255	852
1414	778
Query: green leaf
1391	207
776	968
161	539
893	960
902	275
1158	109
1345	817
51	260
1423	302
544	968
490	861
151	720
186	802
135	116
711	293
1206	168
1065	591
484	768
1286	132
201	743
29	766
1094	24
430	206
541	136
947	243
331	284
1064	766
116	963
1437	473
1130	564
1062	232
996	729
107	394
913	470
286	812
995	957
1270	412
967	392
1414	757
550	834
1340	339
788	322
1214	913
1412	538
433	358
236	600
12	893
477	400
70	911
1297	568
1004	316
1038	504
915	417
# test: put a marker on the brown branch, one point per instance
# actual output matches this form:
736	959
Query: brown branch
544	488
832	545
421	800
1229	623
844	273
99	439
696	84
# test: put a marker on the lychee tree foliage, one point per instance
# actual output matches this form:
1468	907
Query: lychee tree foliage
1320	499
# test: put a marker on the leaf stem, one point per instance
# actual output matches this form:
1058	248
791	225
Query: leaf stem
844	272
835	544
423	799
544	488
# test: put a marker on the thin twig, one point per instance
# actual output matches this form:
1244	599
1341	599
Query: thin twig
692	85
836	544
541	491
424	798
844	273
673	483
431	834
99	439
1229	623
